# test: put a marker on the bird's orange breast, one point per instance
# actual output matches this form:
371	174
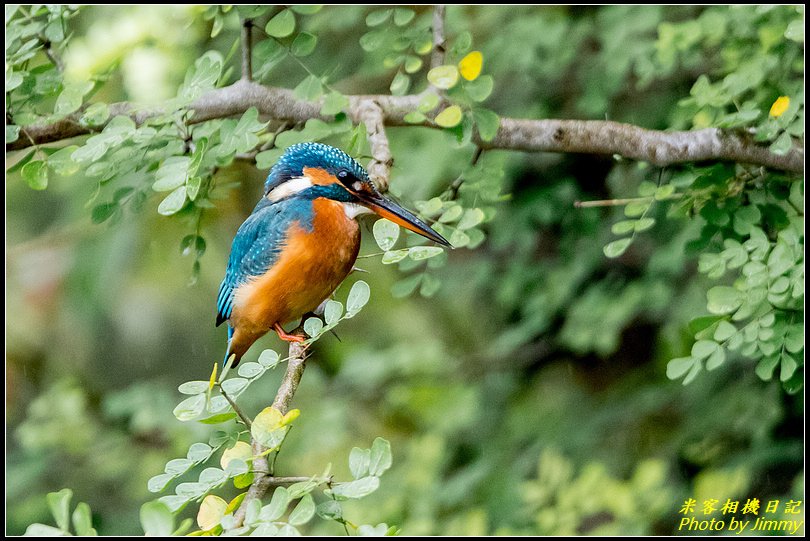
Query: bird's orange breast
311	265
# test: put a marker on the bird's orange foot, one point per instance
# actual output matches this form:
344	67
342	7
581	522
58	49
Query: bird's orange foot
287	337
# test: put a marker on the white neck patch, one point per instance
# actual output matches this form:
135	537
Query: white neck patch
291	187
353	210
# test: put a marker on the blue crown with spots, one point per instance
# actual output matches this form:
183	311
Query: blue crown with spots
316	155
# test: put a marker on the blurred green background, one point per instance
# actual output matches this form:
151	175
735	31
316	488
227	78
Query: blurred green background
527	396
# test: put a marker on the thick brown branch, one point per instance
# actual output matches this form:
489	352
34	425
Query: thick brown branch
567	136
289	384
371	114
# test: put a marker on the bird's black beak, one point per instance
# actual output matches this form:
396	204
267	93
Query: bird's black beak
392	211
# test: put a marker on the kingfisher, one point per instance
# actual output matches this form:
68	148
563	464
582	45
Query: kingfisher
300	242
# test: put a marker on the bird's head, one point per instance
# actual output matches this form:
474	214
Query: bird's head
313	170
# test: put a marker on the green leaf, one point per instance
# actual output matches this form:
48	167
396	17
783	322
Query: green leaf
266	159
450	117
303	512
172	173
617	247
199	452
212	509
310	89
724	299
471	218
386	234
403	16
234	386
12	133
269	358
82	520
643	224
782	145
313	327
334	103
282	25
724	331
332	312
173	202
268	427
480	89
400	83
36	175
664	191
418	253
487	122
443	77
218	419
306	9
377	17
304	44
634	210
43	530
780	260
277	506
359	460
59	504
766	366
358	297
190	408
156	519
414	117
330	510
381	458
703	348
159	482
193	387
356	489
406	286
625	226
412	64
61	161
70	99
789	366
394	257
102	212
428	102
202	76
250	370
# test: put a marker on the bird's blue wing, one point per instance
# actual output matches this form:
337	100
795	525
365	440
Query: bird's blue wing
255	248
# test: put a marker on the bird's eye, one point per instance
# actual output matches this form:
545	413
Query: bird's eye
345	177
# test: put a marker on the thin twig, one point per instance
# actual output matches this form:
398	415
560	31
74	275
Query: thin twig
247	48
245	419
622	202
289	384
439	42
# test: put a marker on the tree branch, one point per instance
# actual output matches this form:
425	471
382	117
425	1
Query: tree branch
289	384
371	114
439	42
567	136
247	49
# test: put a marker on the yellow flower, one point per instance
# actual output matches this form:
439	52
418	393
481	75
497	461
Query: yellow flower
780	106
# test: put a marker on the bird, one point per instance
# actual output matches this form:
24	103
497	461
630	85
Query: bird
300	242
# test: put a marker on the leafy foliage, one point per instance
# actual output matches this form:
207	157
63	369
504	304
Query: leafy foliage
528	395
